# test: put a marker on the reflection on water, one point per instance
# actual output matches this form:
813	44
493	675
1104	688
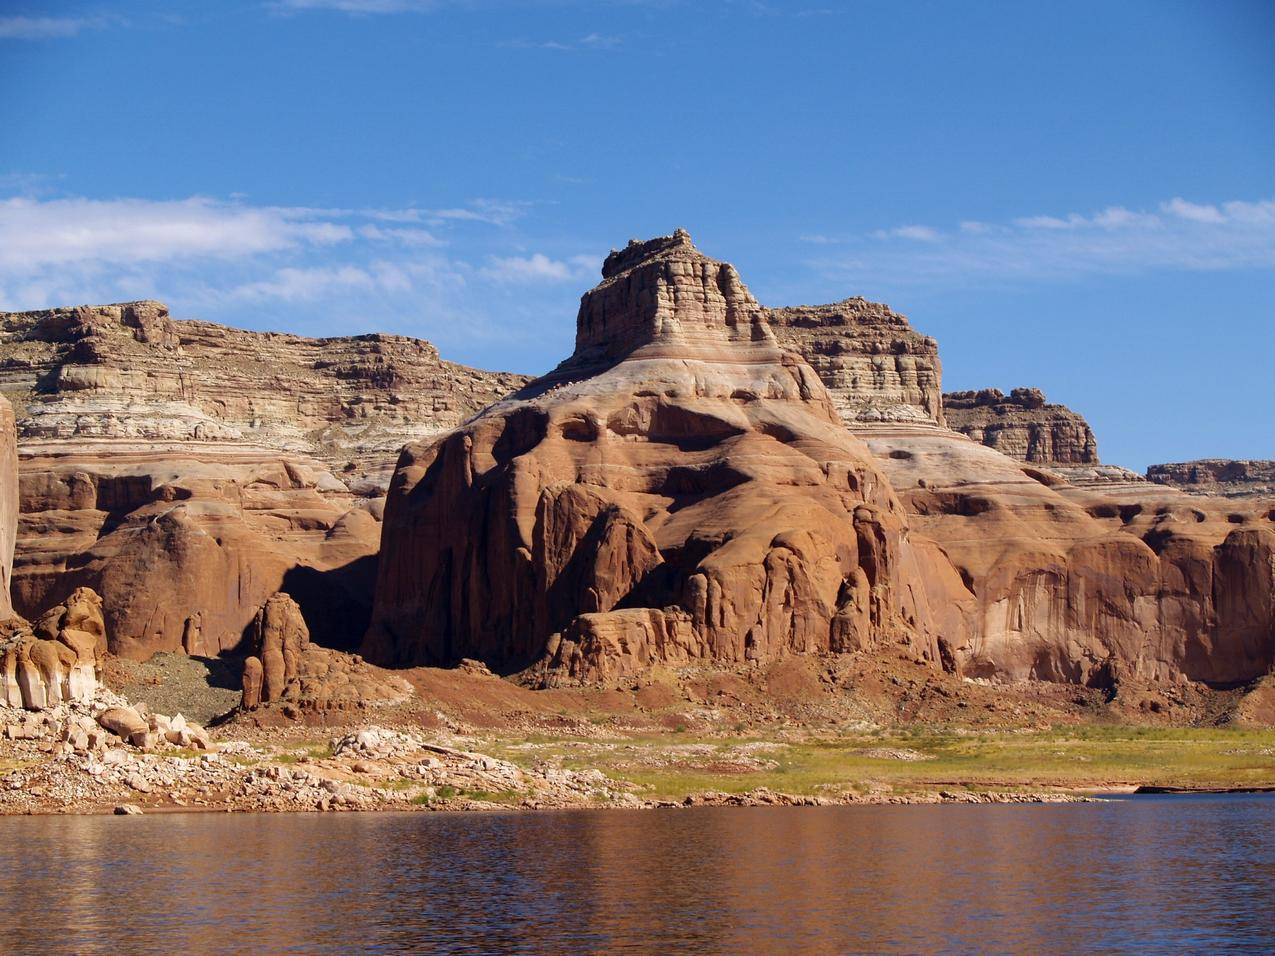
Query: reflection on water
1172	874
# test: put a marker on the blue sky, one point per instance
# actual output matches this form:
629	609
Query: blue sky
1077	196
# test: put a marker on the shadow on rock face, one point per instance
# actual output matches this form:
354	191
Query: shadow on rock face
336	604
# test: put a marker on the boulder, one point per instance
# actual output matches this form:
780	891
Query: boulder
127	724
285	666
278	639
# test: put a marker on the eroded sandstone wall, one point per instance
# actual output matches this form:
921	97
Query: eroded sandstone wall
187	471
1088	583
681	488
8	502
1022	425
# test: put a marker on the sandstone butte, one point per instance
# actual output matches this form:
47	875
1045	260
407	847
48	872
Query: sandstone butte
703	481
681	489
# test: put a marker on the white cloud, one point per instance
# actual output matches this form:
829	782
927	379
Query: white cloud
409	237
36	233
46	28
322	271
305	284
358	6
916	233
495	212
1196	213
539	268
1177	234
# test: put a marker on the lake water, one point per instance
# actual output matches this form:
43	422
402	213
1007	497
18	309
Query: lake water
1158	874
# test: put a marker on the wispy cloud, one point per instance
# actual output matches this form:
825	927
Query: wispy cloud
324	271
1176	234
35	233
592	41
47	28
539	268
357	6
495	212
916	233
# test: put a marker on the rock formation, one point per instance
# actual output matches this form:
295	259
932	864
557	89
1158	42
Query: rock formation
681	488
279	638
1022	425
185	543
130	371
875	366
59	659
187	471
1087	583
1226	477
8	503
285	666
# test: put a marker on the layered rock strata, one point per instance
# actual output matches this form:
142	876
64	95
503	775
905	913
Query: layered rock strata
1229	478
130	371
1022	425
876	367
680	489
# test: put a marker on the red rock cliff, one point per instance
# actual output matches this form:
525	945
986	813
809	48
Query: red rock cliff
680	488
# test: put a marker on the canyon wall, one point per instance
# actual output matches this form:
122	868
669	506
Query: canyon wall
8	502
683	488
1227	477
186	471
1022	425
130	371
1088	583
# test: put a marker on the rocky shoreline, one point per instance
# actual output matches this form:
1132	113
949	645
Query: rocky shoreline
59	765
108	755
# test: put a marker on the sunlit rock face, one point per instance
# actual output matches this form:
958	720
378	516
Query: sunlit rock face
681	488
1023	425
57	659
8	502
1088	582
877	368
1227	477
186	471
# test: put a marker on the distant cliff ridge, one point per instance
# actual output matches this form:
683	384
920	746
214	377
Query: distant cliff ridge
1232	478
1022	425
131	371
876	366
